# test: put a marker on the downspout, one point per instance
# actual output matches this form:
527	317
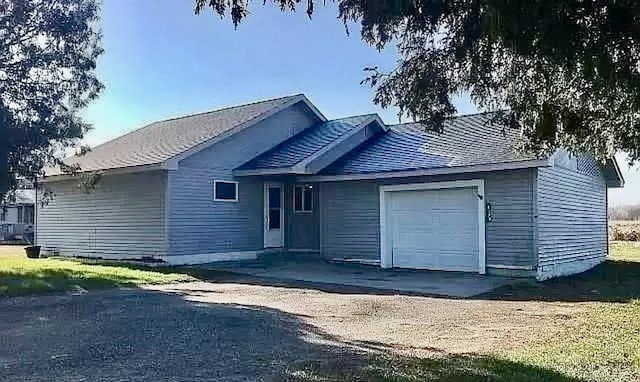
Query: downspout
606	211
535	221
169	174
35	212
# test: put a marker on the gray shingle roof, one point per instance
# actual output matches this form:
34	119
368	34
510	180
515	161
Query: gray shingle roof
466	140
305	144
160	141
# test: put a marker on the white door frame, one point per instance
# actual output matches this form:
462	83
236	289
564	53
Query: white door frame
265	227
386	256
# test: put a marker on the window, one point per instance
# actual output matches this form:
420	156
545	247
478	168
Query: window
274	208
20	208
29	214
303	198
225	191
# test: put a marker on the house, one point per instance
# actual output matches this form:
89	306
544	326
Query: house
276	175
17	216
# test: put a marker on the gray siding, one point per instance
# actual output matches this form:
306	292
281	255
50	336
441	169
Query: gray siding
123	217
350	220
200	225
572	220
510	234
350	217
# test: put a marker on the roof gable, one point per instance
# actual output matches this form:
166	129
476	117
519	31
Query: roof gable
612	173
295	154
176	138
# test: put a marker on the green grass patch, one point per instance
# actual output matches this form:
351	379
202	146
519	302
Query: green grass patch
446	368
22	276
616	280
625	250
605	346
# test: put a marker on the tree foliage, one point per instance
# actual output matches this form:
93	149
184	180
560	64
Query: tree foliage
48	53
566	71
625	212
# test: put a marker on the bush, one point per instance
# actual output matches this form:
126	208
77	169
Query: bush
624	231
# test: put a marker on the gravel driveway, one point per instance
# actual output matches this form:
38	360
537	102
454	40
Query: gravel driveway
241	332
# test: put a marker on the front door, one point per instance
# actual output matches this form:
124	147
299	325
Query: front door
273	215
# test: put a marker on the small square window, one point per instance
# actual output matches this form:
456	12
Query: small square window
303	198
225	191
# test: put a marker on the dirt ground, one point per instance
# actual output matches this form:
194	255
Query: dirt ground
236	330
419	326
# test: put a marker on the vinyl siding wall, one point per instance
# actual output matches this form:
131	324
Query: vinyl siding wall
572	217
350	217
198	224
123	217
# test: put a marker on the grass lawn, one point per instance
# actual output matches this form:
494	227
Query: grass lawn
22	276
606	345
626	251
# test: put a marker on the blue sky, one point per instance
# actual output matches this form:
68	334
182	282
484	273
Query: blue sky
162	61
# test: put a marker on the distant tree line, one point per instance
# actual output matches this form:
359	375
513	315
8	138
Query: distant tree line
625	212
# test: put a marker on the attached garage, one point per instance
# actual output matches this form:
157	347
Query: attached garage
436	226
464	200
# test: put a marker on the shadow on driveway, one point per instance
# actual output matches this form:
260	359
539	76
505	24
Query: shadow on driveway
139	335
611	281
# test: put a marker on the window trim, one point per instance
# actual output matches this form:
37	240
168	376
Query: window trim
215	186
302	211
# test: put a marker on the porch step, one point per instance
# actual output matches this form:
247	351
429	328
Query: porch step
272	255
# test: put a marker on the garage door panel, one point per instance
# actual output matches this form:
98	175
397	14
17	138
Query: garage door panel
449	241
434	229
407	258
418	259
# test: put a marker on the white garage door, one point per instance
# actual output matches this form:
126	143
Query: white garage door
434	229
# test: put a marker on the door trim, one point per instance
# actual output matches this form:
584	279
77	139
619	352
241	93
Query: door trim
265	213
386	256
